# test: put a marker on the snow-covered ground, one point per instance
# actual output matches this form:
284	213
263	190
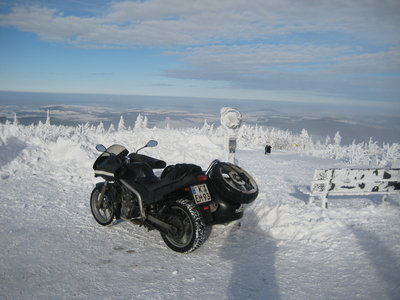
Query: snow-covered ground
283	248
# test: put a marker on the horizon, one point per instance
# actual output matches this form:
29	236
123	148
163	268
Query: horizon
291	107
74	109
312	54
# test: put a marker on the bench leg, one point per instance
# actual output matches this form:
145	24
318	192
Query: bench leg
324	202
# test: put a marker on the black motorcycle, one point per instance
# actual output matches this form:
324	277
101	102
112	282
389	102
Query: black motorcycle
182	203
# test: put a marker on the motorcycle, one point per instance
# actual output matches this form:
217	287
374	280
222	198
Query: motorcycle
182	203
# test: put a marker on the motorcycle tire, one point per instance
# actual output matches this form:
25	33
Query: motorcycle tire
191	230
234	183
102	211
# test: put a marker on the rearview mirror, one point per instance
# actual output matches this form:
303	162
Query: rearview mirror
151	143
101	148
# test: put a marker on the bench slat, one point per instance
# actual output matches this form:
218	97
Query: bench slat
352	181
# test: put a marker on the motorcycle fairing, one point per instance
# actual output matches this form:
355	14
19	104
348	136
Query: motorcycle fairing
110	161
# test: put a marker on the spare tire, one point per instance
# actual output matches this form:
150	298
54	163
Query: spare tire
233	183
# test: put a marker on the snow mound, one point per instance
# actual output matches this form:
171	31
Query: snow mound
284	249
301	224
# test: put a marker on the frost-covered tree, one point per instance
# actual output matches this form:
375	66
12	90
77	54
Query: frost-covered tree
373	151
138	122
121	124
111	128
205	128
256	136
15	122
48	118
337	139
167	121
327	140
145	122
100	128
363	154
304	139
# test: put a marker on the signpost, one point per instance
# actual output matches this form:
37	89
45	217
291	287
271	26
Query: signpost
231	120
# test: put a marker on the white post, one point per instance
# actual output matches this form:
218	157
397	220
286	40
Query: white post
324	198
230	145
230	119
324	201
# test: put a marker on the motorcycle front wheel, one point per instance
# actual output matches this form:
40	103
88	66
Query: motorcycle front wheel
190	230
102	210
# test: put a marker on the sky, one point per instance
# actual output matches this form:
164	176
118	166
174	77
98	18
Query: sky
325	51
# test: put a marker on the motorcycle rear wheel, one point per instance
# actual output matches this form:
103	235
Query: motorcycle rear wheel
191	230
103	211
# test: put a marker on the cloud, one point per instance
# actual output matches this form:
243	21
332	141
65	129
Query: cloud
174	22
328	46
49	24
337	70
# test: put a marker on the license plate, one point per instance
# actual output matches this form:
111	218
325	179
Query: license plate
200	193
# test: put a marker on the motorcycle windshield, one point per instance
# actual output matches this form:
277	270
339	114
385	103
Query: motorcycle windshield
114	149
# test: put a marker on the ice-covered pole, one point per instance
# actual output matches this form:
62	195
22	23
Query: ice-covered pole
231	120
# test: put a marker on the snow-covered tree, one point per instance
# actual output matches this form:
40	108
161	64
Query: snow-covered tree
111	128
337	139
100	128
167	126
15	122
138	122
327	140
121	124
145	122
304	139
48	118
206	128
363	154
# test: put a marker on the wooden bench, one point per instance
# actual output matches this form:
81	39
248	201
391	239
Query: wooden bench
348	182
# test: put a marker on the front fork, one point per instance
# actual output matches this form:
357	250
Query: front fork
99	203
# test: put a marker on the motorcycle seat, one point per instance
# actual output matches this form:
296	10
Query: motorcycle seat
173	172
153	189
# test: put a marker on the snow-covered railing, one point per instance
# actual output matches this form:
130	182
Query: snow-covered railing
346	182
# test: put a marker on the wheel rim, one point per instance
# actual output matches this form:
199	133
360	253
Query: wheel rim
238	179
184	225
102	210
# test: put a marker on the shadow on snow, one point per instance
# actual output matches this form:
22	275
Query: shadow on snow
252	254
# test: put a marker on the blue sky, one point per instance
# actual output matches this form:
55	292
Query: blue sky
303	51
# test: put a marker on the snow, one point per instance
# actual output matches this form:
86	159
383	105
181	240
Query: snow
283	248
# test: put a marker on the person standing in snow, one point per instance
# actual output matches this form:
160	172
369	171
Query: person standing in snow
268	149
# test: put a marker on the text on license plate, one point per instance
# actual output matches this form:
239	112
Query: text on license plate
200	193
